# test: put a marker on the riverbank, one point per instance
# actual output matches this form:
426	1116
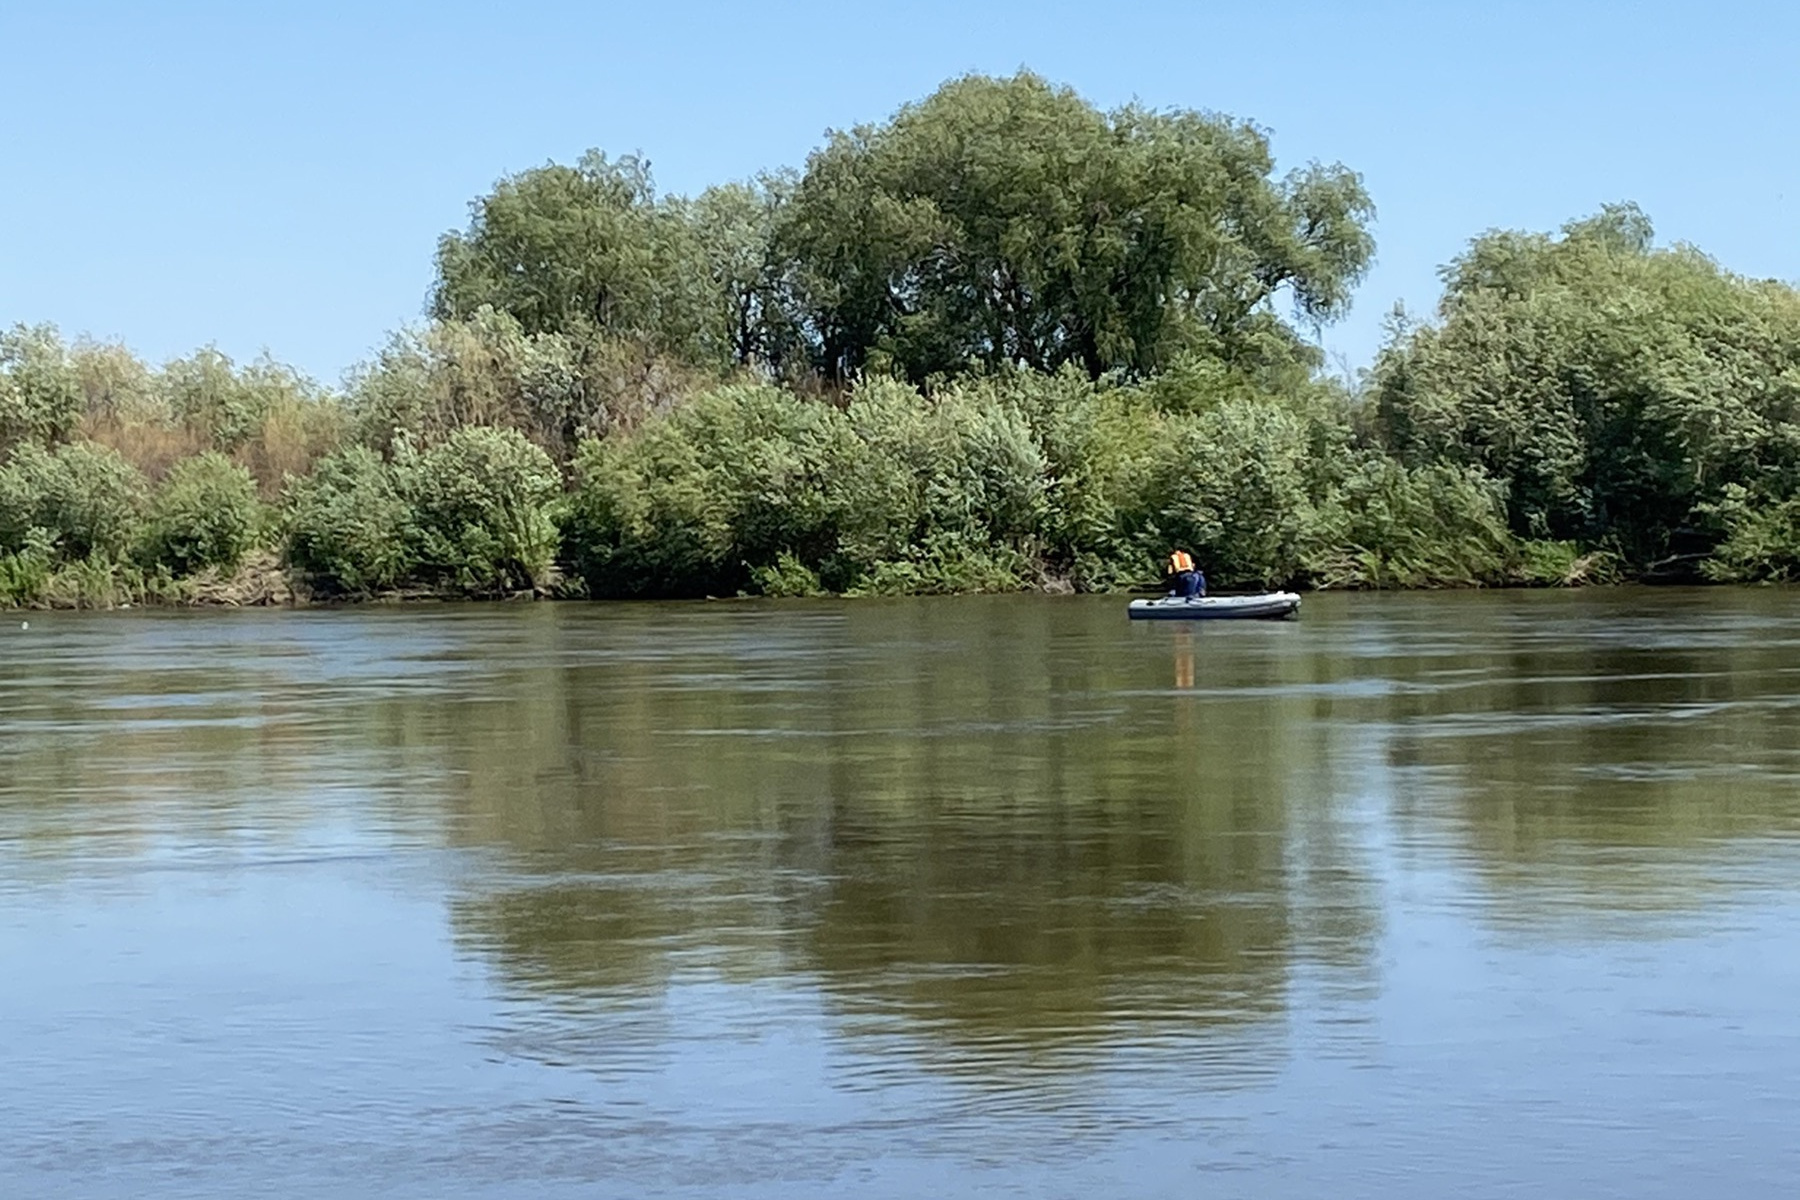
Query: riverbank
261	581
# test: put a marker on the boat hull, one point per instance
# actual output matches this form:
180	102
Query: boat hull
1270	606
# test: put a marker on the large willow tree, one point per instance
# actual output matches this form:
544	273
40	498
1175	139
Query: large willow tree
1008	221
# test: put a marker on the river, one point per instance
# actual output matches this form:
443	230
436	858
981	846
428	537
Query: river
1484	894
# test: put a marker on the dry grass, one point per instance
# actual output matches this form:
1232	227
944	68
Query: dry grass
151	447
291	439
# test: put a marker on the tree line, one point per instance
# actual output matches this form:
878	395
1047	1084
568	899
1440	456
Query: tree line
1001	340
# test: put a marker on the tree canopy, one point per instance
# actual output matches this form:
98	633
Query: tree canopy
1619	392
1009	222
999	222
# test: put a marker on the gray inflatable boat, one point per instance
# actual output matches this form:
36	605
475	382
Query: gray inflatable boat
1266	607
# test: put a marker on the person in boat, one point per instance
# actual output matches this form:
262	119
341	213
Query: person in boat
1187	580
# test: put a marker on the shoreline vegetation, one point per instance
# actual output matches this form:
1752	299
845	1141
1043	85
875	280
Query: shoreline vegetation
1001	341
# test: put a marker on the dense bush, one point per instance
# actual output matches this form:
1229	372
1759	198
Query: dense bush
474	514
1762	540
1617	391
555	388
752	487
944	494
482	517
349	530
718	489
205	514
1428	527
1011	482
85	498
25	573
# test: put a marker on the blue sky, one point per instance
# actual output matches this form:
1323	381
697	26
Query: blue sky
276	175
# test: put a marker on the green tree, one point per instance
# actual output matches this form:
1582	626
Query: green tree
1616	390
561	248
40	387
555	388
1007	221
753	318
228	405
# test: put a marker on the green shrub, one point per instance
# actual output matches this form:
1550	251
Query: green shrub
1619	391
786	576
228	405
555	388
948	564
1762	541
1564	564
707	499
964	467
97	582
347	526
482	504
87	498
752	488
1429	527
1232	485
25	573
205	514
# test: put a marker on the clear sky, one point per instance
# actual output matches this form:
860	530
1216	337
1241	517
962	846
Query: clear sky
275	175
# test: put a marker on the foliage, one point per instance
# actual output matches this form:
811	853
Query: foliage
1000	340
348	527
1435	526
592	249
786	576
1229	485
751	487
719	488
207	393
749	314
40	390
1616	390
1762	540
991	486
25	573
997	222
84	498
481	510
1007	221
205	514
942	491
556	388
473	514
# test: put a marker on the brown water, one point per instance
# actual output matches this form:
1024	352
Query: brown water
1486	895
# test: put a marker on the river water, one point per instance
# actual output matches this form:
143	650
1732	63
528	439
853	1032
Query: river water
1476	894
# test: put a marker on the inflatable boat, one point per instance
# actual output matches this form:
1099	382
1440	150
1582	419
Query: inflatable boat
1266	607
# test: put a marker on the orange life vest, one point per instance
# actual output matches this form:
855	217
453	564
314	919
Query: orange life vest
1179	562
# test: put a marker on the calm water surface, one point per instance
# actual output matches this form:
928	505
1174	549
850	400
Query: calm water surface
1485	895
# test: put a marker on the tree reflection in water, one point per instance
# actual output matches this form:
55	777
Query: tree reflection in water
975	825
